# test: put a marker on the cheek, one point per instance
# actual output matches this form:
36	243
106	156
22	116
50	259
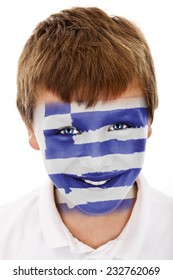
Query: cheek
59	154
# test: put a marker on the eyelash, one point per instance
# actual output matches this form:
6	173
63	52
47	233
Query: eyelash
67	130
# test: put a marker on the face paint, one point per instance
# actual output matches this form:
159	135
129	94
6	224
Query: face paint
93	156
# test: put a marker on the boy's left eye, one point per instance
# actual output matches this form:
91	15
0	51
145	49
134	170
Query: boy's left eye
118	126
69	130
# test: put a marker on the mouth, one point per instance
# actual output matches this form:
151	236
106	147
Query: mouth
97	180
96	183
100	179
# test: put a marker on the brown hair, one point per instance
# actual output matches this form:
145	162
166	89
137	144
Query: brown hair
83	54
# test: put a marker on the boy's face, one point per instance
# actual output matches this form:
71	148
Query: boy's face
93	156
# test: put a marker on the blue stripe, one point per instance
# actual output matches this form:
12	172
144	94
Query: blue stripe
60	146
118	179
57	108
101	207
136	117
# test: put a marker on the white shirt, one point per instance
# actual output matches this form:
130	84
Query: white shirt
31	228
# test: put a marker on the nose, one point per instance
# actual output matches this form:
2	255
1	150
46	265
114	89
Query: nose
97	150
94	164
98	158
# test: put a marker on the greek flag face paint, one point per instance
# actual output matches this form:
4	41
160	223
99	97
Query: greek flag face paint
94	155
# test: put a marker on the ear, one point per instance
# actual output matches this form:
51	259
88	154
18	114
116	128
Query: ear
149	131
32	139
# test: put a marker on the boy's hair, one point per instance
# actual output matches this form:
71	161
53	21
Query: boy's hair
85	55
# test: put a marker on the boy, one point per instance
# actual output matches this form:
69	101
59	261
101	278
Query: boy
87	94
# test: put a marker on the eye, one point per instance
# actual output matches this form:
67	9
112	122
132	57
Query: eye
118	126
69	130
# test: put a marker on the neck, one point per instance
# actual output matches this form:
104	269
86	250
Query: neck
92	230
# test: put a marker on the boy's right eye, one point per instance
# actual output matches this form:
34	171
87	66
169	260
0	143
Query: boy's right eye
69	131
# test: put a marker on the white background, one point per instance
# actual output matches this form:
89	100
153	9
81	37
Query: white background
21	168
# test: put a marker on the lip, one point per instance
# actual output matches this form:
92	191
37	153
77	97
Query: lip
97	177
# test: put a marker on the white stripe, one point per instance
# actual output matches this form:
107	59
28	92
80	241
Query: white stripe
83	196
57	121
120	103
102	134
78	165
